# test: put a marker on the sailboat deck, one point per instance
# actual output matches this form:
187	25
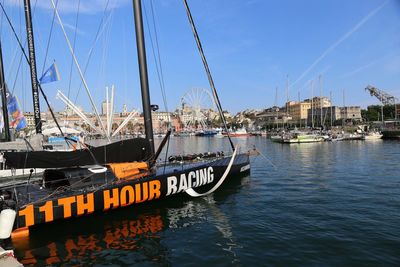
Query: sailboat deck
178	167
35	192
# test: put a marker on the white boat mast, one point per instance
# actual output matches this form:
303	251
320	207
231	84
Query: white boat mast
320	100
74	108
312	103
127	119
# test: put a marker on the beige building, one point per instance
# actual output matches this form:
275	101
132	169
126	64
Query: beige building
351	113
299	110
30	120
161	119
318	101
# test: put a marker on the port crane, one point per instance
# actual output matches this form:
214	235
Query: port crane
384	98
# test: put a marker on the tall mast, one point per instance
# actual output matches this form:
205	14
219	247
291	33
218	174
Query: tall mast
32	61
144	82
320	100
312	104
330	94
287	98
3	92
276	107
344	109
298	98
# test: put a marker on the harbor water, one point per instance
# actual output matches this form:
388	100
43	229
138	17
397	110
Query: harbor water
319	204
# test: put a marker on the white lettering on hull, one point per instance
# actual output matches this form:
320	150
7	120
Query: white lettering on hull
188	180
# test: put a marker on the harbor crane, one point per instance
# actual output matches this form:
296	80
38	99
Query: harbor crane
384	98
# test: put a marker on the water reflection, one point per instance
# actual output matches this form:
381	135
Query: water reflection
220	220
128	236
197	213
114	243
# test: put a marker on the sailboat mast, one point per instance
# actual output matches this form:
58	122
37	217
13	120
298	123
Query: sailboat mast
4	98
32	65
144	82
312	104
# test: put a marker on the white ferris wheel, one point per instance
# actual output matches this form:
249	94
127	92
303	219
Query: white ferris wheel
196	105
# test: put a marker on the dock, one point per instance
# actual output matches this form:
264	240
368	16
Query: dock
8	260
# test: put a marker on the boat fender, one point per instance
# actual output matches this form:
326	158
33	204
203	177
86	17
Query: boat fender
7	218
6	253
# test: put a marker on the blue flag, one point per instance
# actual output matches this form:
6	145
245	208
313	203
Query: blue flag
51	75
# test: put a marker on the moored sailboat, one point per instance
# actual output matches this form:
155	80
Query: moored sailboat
117	175
242	132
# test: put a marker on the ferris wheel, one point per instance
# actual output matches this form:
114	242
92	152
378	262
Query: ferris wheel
196	106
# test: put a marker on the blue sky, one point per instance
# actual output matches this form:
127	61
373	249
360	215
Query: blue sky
251	46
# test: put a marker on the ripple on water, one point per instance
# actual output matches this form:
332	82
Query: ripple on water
327	204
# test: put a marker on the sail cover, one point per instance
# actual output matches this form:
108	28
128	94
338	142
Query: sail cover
136	149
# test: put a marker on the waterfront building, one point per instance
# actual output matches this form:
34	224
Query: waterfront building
30	120
161	120
332	113
299	111
337	115
319	101
274	117
351	113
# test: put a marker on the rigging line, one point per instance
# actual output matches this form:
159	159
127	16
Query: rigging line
210	79
155	58
79	70
38	34
13	60
9	74
73	45
20	58
27	60
48	41
16	75
1	23
267	159
72	60
166	154
159	55
106	44
99	31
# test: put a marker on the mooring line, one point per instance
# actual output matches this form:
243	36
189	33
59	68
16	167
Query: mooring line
267	159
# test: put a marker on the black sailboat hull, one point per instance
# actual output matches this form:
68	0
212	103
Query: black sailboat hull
38	207
391	134
136	149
